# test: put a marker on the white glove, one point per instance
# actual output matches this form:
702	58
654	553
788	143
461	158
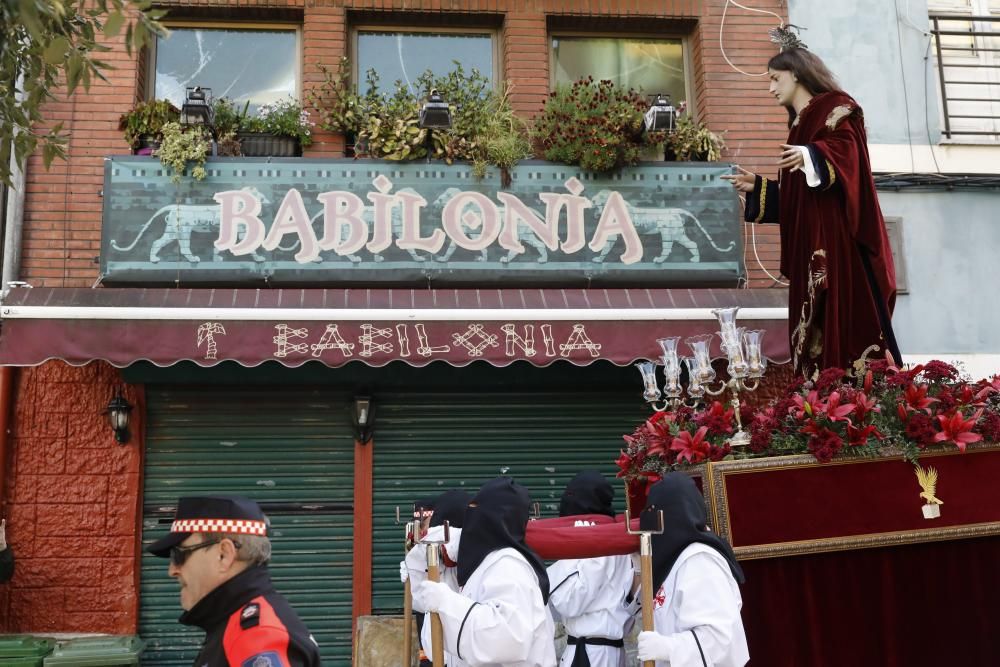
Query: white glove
430	595
404	572
653	646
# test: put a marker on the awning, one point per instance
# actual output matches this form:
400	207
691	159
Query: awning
375	326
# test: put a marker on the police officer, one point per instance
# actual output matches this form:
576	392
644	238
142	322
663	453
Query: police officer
219	550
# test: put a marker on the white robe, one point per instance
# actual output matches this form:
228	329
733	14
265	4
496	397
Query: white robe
502	620
589	595
416	564
700	593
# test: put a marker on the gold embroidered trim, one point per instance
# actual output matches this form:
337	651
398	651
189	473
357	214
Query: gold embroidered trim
763	199
838	114
833	174
817	276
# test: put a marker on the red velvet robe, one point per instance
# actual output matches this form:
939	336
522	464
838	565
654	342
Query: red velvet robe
834	248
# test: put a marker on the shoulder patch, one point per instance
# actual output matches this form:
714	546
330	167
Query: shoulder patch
269	659
250	616
838	114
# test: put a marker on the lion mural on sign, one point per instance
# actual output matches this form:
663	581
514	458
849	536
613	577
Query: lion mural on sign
181	221
668	223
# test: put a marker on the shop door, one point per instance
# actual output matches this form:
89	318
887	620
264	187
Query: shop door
291	450
431	442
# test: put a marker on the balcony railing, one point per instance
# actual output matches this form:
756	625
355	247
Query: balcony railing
968	65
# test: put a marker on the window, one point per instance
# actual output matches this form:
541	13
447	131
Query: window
966	47
894	229
259	65
405	55
649	65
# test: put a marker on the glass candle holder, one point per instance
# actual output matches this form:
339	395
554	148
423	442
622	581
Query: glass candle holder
650	393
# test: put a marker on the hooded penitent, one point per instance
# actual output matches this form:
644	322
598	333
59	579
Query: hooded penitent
684	523
496	519
588	493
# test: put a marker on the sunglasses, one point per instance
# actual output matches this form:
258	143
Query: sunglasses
179	555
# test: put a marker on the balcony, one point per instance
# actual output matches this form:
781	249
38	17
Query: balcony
967	50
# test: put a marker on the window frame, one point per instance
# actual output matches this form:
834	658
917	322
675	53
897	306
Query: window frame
496	37
289	26
692	107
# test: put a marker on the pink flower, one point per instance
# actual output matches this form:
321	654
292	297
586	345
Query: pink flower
694	448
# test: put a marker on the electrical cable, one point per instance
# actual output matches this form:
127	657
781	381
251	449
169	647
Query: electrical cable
753	244
906	95
722	27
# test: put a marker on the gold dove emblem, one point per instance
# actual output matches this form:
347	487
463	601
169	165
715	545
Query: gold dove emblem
928	482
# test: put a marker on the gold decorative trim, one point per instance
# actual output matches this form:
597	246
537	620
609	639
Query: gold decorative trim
763	199
838	114
817	278
715	480
833	174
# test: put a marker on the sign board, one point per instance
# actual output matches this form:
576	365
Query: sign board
301	221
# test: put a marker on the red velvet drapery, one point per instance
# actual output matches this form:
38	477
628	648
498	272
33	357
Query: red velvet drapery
934	604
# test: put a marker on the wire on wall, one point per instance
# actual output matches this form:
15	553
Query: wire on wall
722	27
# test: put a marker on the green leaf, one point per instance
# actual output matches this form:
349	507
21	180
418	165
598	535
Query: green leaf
114	24
56	50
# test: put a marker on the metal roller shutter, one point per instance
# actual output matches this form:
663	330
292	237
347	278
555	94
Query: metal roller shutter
431	442
291	450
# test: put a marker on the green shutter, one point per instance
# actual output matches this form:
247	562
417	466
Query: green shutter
426	443
291	450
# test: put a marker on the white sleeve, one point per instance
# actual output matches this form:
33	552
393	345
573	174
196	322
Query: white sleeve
706	603
499	628
574	583
812	178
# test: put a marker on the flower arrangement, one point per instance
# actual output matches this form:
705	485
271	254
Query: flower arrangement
885	409
146	120
594	124
284	118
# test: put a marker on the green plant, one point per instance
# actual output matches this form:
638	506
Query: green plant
285	118
182	146
484	128
596	125
147	119
227	117
694	141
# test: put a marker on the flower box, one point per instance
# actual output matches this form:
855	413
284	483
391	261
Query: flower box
790	505
253	144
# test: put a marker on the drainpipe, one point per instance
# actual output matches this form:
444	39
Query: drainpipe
14	215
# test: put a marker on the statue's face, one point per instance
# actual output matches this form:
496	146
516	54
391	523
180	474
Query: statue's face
783	86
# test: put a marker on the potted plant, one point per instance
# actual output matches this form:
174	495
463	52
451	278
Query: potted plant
183	148
227	120
693	140
143	125
280	129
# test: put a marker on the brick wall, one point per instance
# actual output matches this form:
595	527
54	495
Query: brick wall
72	505
63	205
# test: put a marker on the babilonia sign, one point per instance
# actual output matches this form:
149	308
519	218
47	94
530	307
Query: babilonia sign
305	220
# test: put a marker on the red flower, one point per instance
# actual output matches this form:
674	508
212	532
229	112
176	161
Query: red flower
864	405
917	399
693	448
857	436
808	405
990	428
829	378
958	429
716	419
835	411
920	429
935	371
823	443
624	462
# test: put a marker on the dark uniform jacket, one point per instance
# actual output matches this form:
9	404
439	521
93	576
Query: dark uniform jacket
249	624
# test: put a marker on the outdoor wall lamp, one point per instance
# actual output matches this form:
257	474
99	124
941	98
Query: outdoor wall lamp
118	414
435	113
661	115
197	109
363	418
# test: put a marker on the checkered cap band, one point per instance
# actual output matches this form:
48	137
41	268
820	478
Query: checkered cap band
233	526
423	514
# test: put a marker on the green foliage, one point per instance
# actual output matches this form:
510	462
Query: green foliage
50	43
182	147
484	128
694	141
285	118
595	125
147	119
227	118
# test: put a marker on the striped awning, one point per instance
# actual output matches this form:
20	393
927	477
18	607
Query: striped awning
375	326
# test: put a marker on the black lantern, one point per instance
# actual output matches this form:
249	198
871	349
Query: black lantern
661	115
197	109
435	113
118	414
363	418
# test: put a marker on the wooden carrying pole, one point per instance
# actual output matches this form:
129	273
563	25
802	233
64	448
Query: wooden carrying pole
437	630
646	568
407	601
